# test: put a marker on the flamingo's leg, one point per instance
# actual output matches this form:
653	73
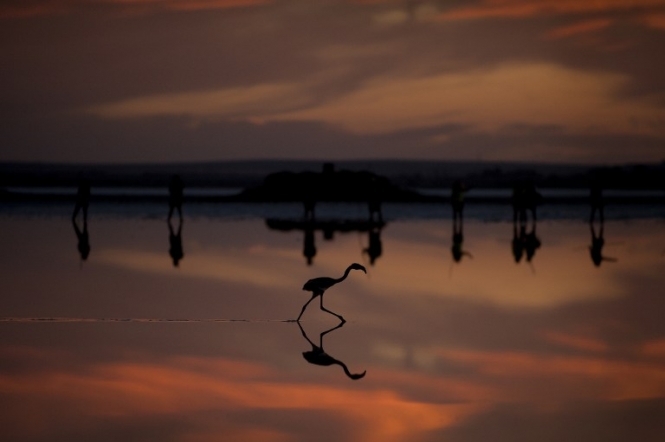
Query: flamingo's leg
305	306
331	312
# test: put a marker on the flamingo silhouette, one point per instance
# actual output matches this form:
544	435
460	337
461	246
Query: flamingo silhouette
319	285
318	356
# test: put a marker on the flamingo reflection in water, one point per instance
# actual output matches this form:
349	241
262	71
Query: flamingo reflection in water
318	286
318	356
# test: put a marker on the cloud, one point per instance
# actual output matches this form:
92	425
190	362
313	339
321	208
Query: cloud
220	393
391	17
196	5
583	27
583	343
328	68
487	100
23	9
529	94
187	386
529	8
250	103
562	376
30	8
242	268
655	20
654	348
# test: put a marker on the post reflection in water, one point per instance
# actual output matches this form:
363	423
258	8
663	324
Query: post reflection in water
309	247
82	237
597	234
457	203
374	249
81	205
517	243
457	249
525	240
175	242
318	356
531	242
328	228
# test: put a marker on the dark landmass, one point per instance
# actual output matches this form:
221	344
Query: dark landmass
353	181
329	185
343	226
405	174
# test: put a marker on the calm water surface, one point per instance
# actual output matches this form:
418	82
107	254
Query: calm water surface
126	346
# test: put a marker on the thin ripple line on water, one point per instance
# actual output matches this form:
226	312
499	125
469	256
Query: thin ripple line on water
140	320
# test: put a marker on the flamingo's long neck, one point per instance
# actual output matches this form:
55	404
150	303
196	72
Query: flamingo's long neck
347	372
346	273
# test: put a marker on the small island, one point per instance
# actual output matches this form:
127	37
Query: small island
329	185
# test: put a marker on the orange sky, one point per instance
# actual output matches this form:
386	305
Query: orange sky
170	80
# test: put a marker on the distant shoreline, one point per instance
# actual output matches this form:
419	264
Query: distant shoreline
402	173
482	196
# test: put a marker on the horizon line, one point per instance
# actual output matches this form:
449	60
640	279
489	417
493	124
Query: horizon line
322	161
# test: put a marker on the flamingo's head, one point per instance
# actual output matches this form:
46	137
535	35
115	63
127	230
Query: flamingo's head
356	266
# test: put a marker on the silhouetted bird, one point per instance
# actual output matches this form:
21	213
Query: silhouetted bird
319	285
318	356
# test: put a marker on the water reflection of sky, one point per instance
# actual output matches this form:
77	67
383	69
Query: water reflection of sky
484	349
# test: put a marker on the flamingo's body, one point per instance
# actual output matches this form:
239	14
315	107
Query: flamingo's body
318	286
318	356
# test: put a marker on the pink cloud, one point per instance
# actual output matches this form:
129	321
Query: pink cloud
25	9
130	390
655	20
654	348
576	342
51	7
582	27
528	8
528	376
